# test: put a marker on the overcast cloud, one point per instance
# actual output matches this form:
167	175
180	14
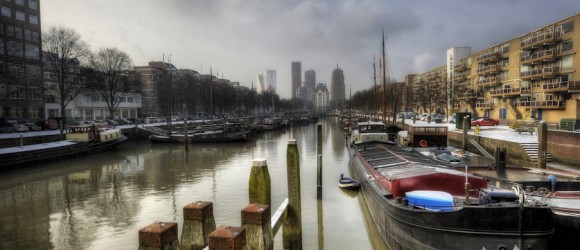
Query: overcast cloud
241	38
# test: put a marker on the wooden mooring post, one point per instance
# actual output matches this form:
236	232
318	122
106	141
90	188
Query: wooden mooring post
159	235
256	221
542	144
464	139
198	223
226	237
259	187
292	229
319	161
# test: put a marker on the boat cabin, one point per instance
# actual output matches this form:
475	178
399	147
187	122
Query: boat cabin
369	132
91	134
424	135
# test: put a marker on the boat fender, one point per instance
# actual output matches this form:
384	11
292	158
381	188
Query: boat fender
552	180
423	143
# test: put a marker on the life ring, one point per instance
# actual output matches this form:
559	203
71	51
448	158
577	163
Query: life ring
423	143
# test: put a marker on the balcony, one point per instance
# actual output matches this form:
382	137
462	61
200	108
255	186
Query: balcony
510	91
539	57
536	41
489	82
468	95
548	72
542	104
489	57
460	67
484	105
491	69
561	86
459	77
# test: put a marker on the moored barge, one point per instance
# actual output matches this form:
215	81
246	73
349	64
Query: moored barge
80	141
416	204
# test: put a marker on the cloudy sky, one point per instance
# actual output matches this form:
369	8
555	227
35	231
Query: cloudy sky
241	38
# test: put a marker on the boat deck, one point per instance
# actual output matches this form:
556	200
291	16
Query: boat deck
30	148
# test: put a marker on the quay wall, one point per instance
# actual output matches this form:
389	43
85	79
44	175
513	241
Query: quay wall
564	146
515	153
14	142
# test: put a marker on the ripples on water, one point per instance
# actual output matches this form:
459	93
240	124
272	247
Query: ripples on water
101	202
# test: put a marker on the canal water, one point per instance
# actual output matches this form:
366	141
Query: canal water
101	202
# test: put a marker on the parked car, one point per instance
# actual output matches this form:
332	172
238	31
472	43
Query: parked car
13	128
486	121
32	127
122	121
111	122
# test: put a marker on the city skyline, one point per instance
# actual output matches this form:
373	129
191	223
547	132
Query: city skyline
232	37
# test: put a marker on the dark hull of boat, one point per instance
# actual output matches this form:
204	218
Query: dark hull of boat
38	157
478	228
167	139
220	137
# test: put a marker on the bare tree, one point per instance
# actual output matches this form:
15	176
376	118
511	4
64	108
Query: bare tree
113	77
64	53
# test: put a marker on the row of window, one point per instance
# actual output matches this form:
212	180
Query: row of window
19	33
17	70
20	92
19	15
33	113
32	4
17	49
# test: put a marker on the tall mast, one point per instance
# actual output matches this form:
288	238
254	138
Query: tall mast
384	82
375	114
210	92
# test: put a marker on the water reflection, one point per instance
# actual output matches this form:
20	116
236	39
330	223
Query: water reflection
102	201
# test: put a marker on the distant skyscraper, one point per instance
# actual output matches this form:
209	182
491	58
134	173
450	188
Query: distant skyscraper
260	86
337	88
309	84
270	80
296	77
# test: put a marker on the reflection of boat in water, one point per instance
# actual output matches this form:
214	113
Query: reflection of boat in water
416	205
347	183
80	141
228	132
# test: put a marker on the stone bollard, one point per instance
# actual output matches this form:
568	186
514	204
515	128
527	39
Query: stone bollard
292	227
226	237
259	186
198	223
159	235
256	221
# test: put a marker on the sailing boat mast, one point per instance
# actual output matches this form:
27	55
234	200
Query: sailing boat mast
375	114
384	82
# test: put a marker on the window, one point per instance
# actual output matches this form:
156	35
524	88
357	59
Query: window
566	62
1	47
27	35
34	93
15	49
17	112
505	48
129	99
32	52
19	2
567	45
50	99
3	92
33	19
33	4
18	32
567	27
9	30
34	113
35	37
33	72
20	16
7	12
1	29
16	92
